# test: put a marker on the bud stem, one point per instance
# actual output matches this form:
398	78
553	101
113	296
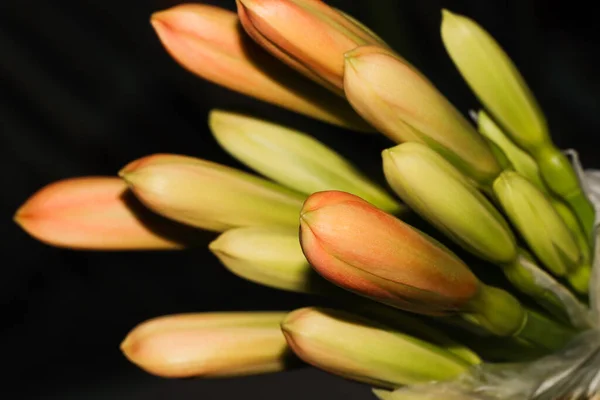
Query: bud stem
544	332
498	312
530	279
559	175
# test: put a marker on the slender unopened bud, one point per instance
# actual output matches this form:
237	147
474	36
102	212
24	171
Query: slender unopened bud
360	349
363	249
541	226
494	78
267	255
398	100
208	195
97	213
441	194
209	42
293	159
496	81
281	26
209	344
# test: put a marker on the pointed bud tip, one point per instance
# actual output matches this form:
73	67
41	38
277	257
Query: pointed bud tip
126	345
353	56
218	120
128	171
161	22
19	217
447	14
216	246
449	17
326	198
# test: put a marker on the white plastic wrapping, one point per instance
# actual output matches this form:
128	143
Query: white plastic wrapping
570	374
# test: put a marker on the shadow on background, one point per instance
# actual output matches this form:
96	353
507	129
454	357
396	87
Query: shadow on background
85	87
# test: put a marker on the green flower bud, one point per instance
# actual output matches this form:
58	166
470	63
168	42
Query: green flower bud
384	357
269	256
293	159
436	190
539	223
208	195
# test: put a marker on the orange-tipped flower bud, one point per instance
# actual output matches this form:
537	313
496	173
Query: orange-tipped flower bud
97	213
405	106
209	42
209	345
281	26
361	248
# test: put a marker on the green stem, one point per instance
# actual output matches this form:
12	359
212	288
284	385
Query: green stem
542	331
559	175
500	313
526	280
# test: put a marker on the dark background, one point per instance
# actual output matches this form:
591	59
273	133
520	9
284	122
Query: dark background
86	87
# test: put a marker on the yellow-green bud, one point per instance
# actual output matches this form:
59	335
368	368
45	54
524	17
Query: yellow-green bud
293	159
208	195
494	78
431	186
269	256
384	357
539	223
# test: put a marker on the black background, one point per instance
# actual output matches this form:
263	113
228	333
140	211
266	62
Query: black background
85	87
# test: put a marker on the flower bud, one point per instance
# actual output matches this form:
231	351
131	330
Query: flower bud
209	345
208	195
293	159
209	42
495	80
541	226
269	256
362	249
359	349
97	213
400	102
443	196
280	26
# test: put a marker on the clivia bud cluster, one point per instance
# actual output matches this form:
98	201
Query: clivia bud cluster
418	310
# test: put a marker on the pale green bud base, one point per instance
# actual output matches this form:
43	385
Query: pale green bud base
496	311
580	279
